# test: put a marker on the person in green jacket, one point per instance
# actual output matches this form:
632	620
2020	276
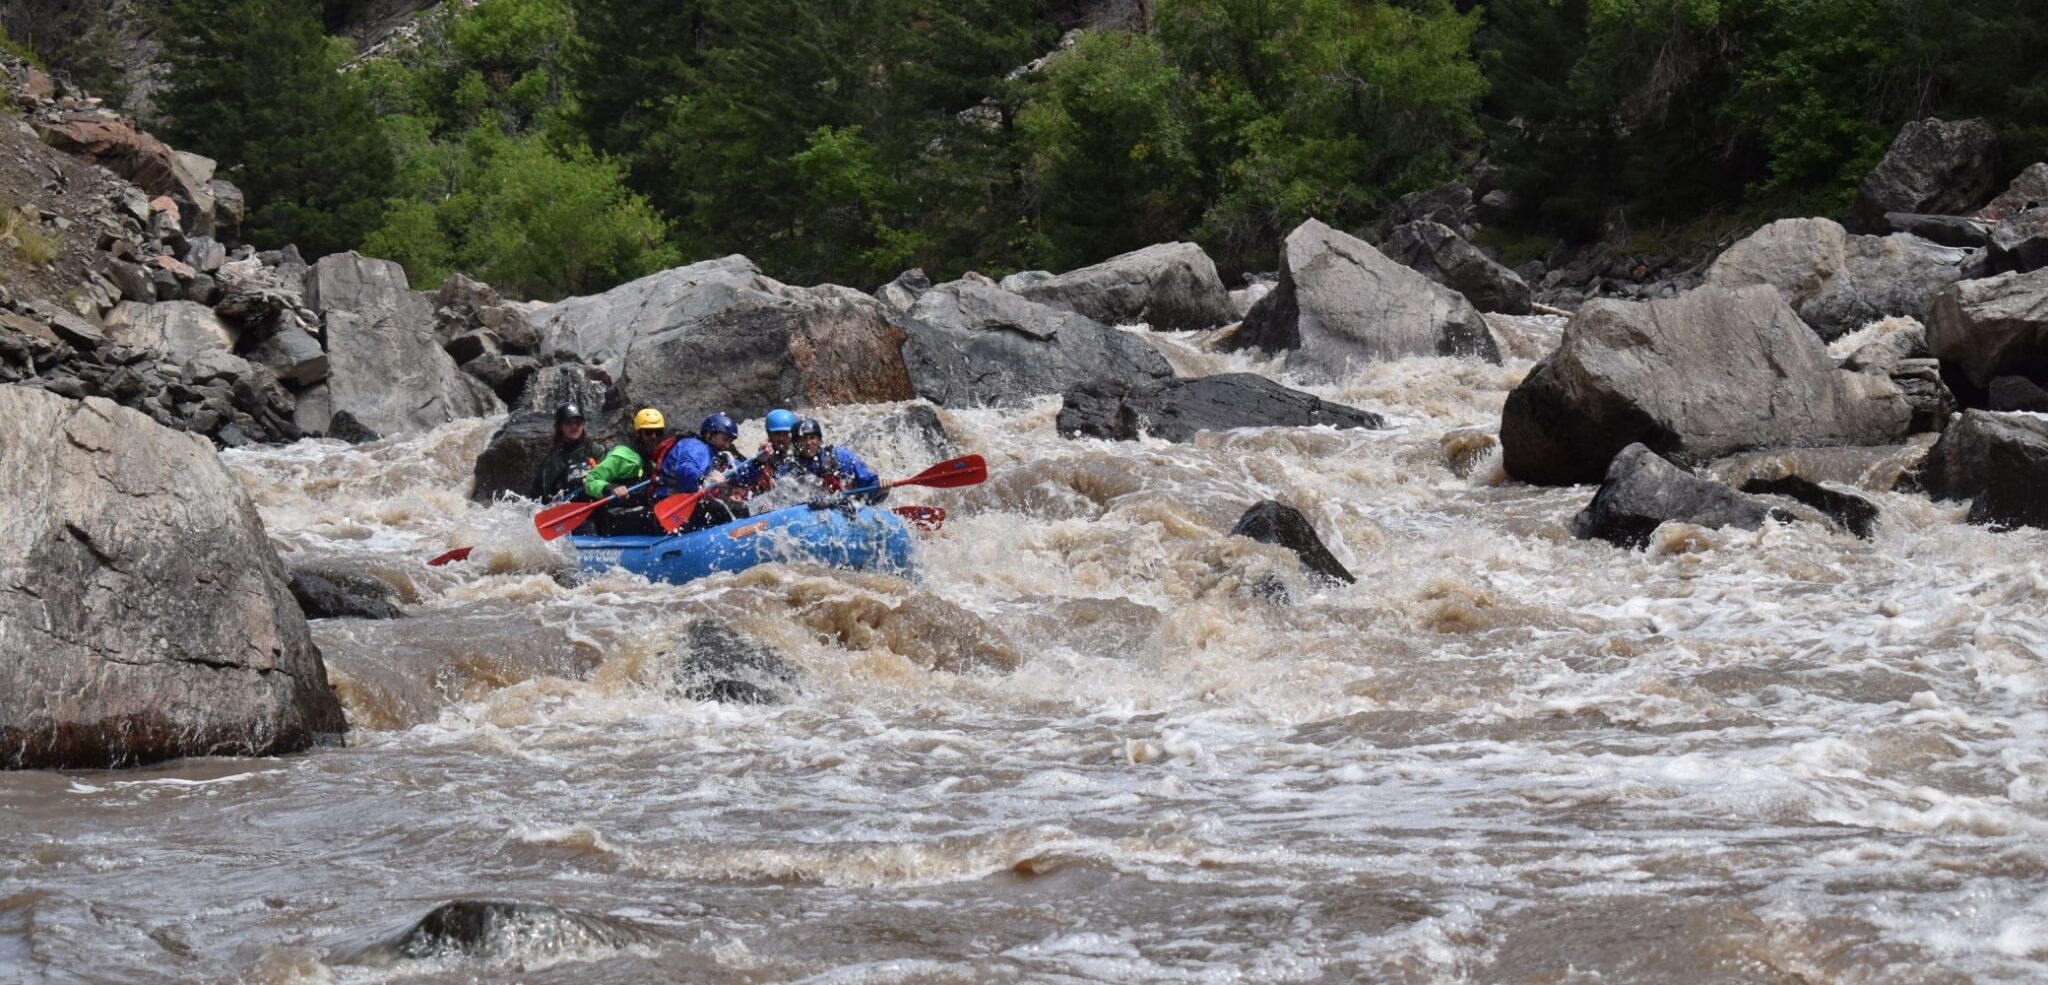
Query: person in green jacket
627	464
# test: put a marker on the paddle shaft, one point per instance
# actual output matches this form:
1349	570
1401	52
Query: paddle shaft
555	521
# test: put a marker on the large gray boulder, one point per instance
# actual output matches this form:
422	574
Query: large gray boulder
1440	254
1169	286
719	336
1997	460
1177	410
1996	326
176	330
1705	374
1938	167
143	612
973	343
1839	282
385	369
1643	491
1340	302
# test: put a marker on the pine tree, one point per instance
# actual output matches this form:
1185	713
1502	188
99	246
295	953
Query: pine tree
257	85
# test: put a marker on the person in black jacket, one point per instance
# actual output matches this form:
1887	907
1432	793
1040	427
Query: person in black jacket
570	457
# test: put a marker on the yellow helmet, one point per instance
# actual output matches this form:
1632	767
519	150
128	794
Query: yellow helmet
649	419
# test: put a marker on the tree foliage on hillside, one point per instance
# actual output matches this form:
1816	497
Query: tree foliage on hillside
256	85
559	146
493	180
1608	112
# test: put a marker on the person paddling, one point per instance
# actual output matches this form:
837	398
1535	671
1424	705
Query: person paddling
703	461
571	456
835	468
627	464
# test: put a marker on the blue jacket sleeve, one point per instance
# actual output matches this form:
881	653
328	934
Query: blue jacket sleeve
859	476
685	465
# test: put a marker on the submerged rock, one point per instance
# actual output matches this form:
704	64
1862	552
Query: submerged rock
1706	374
1643	491
717	664
144	612
1854	513
337	593
1177	410
1273	522
491	930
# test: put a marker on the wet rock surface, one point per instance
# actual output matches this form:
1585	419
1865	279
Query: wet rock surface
1856	514
715	663
1177	410
327	592
1998	461
1273	522
498	930
1643	490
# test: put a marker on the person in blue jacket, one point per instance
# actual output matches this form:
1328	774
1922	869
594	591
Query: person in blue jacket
835	468
704	461
758	474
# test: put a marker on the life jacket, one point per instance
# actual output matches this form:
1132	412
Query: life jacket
826	468
653	466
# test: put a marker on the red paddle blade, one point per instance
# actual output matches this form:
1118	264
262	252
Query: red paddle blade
966	470
922	517
555	521
458	554
674	511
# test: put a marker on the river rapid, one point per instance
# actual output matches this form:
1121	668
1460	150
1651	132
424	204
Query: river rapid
1078	747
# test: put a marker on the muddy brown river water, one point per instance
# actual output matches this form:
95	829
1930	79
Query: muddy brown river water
1075	747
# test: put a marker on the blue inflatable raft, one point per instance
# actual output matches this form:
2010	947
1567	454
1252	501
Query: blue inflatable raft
843	537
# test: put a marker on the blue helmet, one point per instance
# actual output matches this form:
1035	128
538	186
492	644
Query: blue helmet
720	424
806	427
781	420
